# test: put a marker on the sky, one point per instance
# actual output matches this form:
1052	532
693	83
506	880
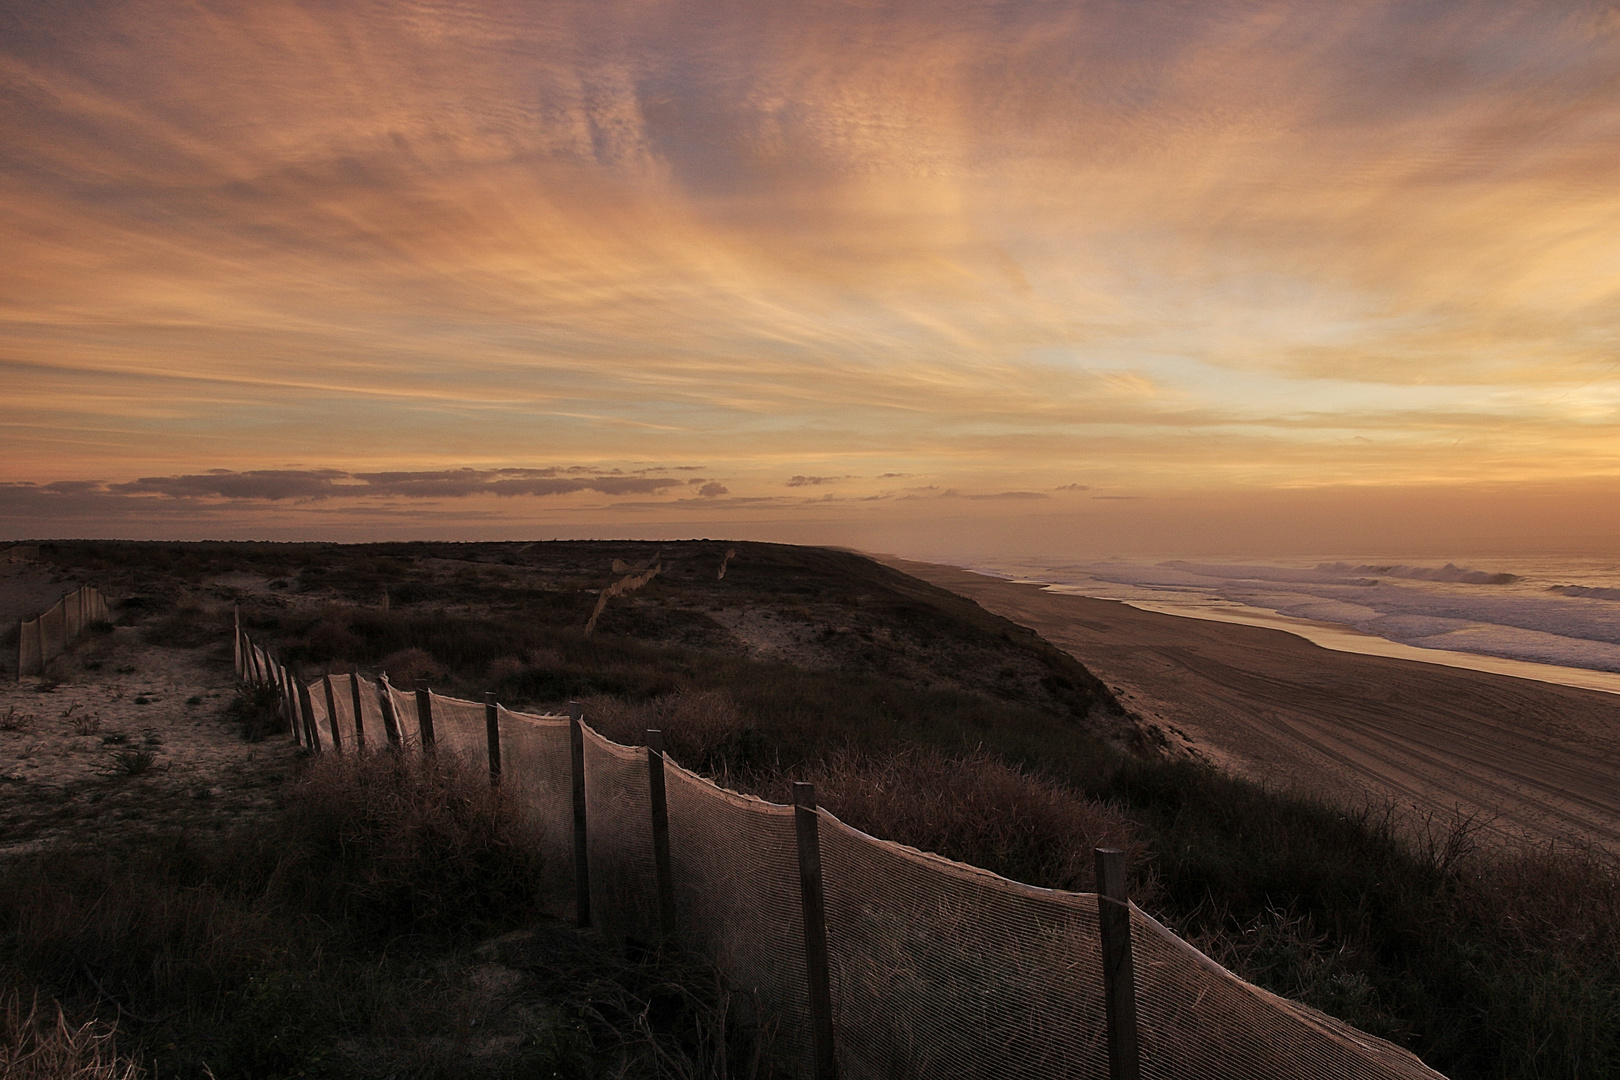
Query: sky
927	277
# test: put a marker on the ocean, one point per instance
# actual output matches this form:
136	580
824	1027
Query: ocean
1552	618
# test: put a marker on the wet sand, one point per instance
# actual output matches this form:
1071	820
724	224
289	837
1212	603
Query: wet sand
1540	761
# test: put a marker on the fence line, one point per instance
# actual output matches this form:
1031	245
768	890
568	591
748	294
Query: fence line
875	959
41	640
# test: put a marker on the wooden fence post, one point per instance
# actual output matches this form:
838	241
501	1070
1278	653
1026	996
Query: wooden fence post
492	735
385	702
331	713
289	709
807	824
582	863
1119	973
274	680
359	723
660	833
307	707
291	693
424	715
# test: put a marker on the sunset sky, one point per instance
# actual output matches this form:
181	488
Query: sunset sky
933	277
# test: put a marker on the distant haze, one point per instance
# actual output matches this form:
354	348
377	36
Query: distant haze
931	277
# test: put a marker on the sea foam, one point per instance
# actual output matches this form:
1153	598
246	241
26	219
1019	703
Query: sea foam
1552	610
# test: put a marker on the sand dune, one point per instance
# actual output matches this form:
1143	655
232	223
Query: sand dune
1541	761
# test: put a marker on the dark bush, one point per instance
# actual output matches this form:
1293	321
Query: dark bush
257	709
187	627
394	844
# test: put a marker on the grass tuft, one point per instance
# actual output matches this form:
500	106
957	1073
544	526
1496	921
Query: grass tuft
132	762
42	1044
256	709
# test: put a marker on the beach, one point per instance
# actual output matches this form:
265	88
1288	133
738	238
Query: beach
1532	761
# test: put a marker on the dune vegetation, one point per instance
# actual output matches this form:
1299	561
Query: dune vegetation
347	927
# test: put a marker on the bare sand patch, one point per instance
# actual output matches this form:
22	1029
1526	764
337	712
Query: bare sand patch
134	736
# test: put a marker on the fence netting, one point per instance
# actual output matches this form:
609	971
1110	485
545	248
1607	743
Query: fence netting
459	728
1192	1010
402	706
944	970
43	639
320	727
347	690
938	969
619	844
537	769
735	867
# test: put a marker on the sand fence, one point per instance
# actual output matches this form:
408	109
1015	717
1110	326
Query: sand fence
41	640
873	959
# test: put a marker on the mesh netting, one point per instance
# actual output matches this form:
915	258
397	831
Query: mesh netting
52	632
404	708
944	970
331	692
1196	1018
938	969
618	815
29	659
459	728
48	636
370	731
537	769
735	865
320	728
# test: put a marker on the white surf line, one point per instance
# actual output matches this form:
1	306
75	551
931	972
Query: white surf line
1344	639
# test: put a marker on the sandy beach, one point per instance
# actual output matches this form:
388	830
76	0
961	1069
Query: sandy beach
1538	761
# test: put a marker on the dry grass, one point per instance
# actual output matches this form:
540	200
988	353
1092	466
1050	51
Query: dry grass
697	724
977	809
972	807
257	954
394	843
42	1044
406	666
669	1015
256	707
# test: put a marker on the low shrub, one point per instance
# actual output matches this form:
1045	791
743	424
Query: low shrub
976	809
186	627
256	708
131	762
258	955
969	806
395	844
669	1014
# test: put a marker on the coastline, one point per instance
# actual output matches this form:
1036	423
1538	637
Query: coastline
1535	761
1341	638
